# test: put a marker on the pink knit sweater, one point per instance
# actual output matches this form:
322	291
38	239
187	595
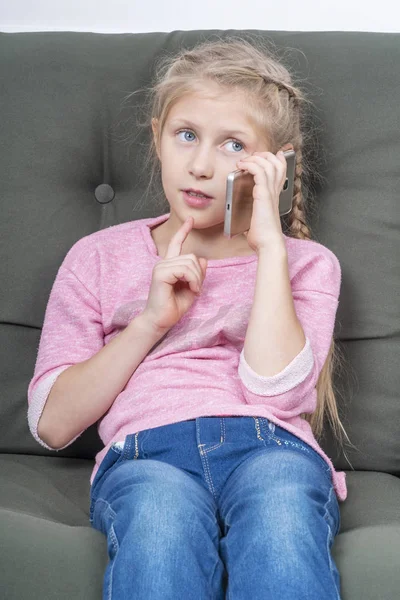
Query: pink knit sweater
103	283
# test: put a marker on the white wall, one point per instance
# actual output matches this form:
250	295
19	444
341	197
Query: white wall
123	16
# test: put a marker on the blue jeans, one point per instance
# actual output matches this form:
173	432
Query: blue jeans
214	508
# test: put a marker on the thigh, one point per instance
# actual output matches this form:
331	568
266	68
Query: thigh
287	440
125	484
161	527
279	515
287	469
316	473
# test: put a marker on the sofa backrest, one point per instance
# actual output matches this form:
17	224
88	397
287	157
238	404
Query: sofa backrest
65	131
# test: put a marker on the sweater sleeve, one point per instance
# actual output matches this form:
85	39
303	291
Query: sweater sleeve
315	289
72	332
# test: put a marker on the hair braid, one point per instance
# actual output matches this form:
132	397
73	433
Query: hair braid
297	219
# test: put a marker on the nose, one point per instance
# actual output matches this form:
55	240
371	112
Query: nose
202	163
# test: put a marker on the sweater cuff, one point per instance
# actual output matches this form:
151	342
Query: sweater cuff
291	376
37	404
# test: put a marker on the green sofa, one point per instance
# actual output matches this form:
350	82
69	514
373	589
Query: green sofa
71	163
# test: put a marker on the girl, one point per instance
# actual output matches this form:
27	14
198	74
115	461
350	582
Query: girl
201	356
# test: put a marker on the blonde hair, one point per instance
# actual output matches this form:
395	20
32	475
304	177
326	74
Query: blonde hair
277	107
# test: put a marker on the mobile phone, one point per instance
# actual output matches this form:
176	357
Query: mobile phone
239	197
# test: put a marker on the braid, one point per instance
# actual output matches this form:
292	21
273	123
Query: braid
297	220
281	86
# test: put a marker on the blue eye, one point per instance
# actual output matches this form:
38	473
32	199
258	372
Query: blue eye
187	131
238	143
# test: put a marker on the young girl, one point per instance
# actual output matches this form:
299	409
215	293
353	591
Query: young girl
201	356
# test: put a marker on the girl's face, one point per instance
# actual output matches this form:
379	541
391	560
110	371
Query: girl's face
203	138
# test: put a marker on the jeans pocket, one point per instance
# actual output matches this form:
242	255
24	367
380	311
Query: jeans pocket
268	428
118	447
149	442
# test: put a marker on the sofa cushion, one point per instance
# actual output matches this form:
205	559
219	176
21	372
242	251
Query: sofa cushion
44	520
66	130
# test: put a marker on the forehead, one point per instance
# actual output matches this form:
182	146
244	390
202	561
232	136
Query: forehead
213	105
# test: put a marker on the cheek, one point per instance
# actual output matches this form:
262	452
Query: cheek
169	164
168	181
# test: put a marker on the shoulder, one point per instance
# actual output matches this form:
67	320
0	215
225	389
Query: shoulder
103	245
310	250
313	266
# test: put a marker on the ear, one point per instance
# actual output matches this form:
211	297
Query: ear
287	147
154	126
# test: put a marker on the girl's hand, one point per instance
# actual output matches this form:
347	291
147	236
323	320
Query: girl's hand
269	176
176	281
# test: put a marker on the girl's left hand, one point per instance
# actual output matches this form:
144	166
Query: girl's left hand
269	176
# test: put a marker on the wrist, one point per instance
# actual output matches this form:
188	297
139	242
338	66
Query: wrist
275	245
148	327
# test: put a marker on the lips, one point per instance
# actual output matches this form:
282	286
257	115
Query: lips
197	192
196	201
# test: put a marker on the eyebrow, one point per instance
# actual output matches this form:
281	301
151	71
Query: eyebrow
224	132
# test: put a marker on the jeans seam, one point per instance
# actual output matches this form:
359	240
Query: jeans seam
116	548
204	461
258	429
329	540
136	456
206	450
330	559
269	433
331	493
222	440
127	448
325	467
207	472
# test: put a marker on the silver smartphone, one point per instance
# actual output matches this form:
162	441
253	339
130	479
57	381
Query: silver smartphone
239	197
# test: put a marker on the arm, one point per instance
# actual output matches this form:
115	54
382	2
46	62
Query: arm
84	392
72	340
315	280
274	334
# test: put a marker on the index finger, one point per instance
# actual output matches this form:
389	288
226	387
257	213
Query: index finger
175	244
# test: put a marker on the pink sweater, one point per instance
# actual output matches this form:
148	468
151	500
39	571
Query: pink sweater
103	283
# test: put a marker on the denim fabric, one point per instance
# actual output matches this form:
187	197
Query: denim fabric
214	508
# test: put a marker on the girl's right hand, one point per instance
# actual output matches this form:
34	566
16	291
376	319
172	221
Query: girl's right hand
176	281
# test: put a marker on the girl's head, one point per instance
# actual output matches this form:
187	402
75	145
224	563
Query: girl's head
225	85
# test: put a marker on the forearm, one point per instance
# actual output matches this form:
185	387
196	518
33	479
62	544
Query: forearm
84	392
274	335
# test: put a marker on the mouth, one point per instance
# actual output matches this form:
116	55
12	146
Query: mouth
196	199
197	194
